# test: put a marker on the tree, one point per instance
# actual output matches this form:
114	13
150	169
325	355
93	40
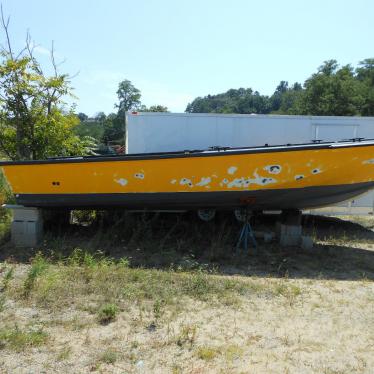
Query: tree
114	129
128	96
153	108
332	91
365	75
242	100
100	116
115	125
33	121
82	117
129	99
285	99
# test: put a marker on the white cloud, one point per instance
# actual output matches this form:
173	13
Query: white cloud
42	50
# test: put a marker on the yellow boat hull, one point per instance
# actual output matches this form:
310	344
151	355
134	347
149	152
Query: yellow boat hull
264	178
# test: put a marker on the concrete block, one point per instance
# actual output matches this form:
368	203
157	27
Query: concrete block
27	214
27	226
26	233
306	242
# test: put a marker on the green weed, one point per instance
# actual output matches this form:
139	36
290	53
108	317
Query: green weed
64	354
38	266
207	353
107	313
187	335
109	356
18	339
8	276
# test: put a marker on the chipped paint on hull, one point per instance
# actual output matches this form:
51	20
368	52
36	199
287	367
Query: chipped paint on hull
139	175
121	181
204	181
186	182
273	169
369	162
231	170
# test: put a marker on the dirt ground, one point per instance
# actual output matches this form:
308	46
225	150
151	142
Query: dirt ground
185	302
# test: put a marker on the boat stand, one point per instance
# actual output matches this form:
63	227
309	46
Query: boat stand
246	234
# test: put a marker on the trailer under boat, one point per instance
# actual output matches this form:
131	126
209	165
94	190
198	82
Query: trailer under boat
260	178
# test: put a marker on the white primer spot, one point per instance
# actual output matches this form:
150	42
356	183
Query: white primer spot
173	181
139	175
299	177
369	162
121	181
186	182
204	181
246	182
273	169
237	182
232	169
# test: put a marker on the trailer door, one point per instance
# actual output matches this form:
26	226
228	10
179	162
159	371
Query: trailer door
334	131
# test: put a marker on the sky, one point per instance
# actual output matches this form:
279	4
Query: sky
174	51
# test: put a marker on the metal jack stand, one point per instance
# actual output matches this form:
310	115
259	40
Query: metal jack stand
246	233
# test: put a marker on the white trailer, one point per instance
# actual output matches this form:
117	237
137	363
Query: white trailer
165	132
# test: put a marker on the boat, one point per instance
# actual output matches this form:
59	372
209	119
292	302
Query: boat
272	177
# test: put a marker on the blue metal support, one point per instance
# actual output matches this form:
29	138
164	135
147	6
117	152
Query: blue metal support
246	234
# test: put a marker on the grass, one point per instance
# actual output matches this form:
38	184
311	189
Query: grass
18	339
38	267
109	356
207	353
187	335
107	313
64	353
165	295
85	277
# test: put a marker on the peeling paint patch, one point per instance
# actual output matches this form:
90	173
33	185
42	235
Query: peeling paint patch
371	161
273	169
173	181
232	169
204	181
186	182
225	181
139	175
237	182
246	182
316	171
299	177
121	181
